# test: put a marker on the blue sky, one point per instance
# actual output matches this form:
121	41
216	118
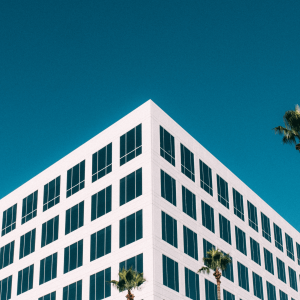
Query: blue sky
226	71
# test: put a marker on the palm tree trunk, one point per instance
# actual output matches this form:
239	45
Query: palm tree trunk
130	296
218	275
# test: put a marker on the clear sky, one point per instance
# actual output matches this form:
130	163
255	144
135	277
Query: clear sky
226	71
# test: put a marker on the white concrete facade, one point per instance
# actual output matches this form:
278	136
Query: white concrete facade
151	245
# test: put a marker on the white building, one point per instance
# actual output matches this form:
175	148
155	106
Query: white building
142	193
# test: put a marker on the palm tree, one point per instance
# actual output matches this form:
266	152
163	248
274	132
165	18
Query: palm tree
128	280
291	131
216	260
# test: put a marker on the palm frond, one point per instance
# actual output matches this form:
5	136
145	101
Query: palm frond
204	270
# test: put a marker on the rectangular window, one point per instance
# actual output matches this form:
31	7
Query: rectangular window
243	276
73	291
169	229
208	216
51	193
168	187
170	273
271	291
238	204
75	178
101	203
298	253
265	226
9	220
192	289
187	162
225	230
100	243
73	256
269	261
102	162
255	251
207	246
293	279
131	186
48	268
167	146
205	178
189	203
210	290
281	270
283	296
190	243
228	296
25	280
51	296
50	231
240	238
27	243
100	288
289	247
131	144
74	217
223	191
29	207
228	273
252	216
258	286
135	263
7	255
131	228
5	288
278	237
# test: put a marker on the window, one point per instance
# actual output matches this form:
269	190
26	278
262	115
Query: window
73	291
269	261
293	279
205	178
25	280
51	296
102	162
228	273
282	295
74	217
27	243
187	162
278	237
190	243
281	270
50	231
170	273
135	263
51	193
255	251
258	286
225	231
167	147
48	268
168	187
192	289
101	203
298	253
29	207
9	220
240	238
210	290
271	291
252	216
75	179
131	186
131	144
189	203
5	288
73	256
223	191
289	247
7	255
208	216
100	287
207	246
131	228
228	296
100	243
238	204
265	226
169	229
243	277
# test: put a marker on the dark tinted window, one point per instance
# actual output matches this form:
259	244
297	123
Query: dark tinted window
298	253
205	178
168	187
208	216
207	246
100	243
289	247
51	193
190	242
167	147
225	231
9	220
50	231
223	191
102	162
240	238
281	270
228	296
27	243
192	289
282	295
189	203
25	280
73	256
29	207
257	286
51	296
252	216
210	290
7	254
170	273
228	273
75	178
278	237
101	203
255	251
269	261
74	217
265	226
169	229
271	291
73	291
187	162
238	204
48	268
293	279
5	288
100	287
135	263
243	276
